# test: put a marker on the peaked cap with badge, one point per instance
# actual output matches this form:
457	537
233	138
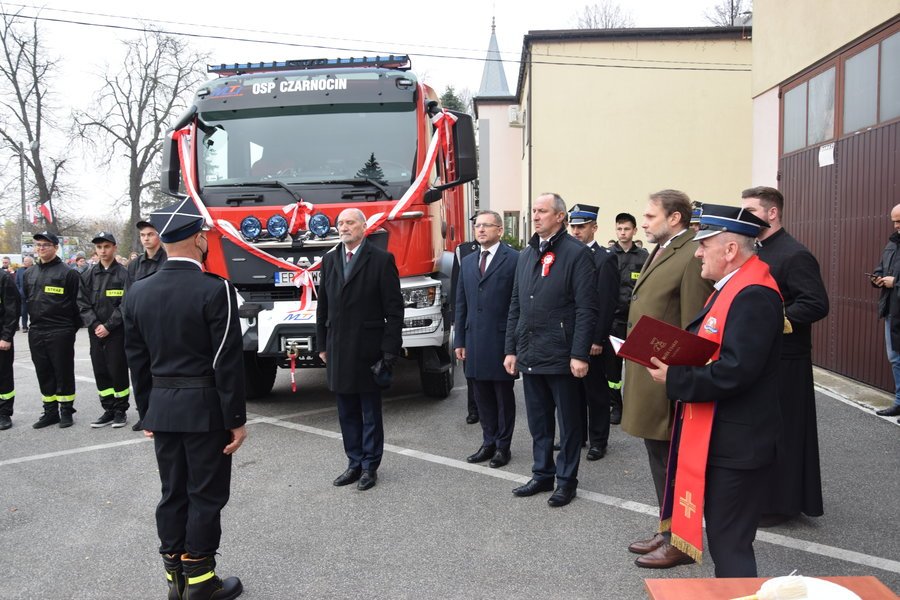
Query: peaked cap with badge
583	213
717	218
177	222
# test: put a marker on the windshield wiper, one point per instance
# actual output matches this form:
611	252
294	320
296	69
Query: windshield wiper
355	181
267	183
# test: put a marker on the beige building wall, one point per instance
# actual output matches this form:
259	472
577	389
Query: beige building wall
612	136
789	36
499	158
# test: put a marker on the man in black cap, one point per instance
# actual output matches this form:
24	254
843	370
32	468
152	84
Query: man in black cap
152	258
9	317
51	289
549	331
100	296
631	259
796	483
184	349
594	387
727	415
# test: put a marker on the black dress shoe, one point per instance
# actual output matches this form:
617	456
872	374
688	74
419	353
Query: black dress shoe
472	419
596	452
367	480
533	487
501	457
484	453
348	477
562	496
889	412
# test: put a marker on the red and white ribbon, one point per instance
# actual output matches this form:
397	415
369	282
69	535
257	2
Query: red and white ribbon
548	260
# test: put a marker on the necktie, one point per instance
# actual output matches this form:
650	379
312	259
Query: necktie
544	245
483	265
349	256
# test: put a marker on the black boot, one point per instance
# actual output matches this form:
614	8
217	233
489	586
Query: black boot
174	576
120	406
65	414
203	583
6	411
615	402
50	416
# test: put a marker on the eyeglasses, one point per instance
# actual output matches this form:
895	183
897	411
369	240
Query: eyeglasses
43	245
485	225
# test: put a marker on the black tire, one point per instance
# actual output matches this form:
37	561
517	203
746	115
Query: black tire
259	374
437	385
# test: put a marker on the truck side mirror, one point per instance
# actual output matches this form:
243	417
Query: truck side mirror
170	171
464	155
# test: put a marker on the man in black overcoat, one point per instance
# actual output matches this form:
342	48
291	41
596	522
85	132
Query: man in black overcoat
796	484
359	324
484	288
184	350
551	323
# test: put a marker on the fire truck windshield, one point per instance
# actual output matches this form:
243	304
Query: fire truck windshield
307	145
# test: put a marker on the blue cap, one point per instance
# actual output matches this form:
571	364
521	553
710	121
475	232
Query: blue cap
717	218
177	222
583	213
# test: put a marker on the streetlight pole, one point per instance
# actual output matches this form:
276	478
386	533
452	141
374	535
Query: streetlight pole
22	186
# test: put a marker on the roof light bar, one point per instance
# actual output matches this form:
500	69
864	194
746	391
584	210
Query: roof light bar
392	61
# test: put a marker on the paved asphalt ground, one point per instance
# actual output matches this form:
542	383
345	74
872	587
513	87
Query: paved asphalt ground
77	507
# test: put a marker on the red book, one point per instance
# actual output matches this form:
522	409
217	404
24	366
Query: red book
673	346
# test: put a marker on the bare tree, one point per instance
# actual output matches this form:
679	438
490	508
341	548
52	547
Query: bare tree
728	13
603	15
135	105
25	114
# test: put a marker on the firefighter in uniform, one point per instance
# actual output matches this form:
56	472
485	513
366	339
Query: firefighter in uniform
51	290
9	318
184	349
154	254
100	296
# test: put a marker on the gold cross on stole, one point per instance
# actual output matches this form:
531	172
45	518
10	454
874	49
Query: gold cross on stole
689	507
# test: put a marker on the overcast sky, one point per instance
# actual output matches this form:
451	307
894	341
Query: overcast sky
447	41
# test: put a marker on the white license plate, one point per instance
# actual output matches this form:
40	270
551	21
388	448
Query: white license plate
286	278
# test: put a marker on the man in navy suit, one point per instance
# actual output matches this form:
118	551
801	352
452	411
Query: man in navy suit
483	294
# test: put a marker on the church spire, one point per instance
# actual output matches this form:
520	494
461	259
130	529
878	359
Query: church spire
493	78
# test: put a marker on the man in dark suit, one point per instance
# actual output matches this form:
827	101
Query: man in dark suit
552	315
359	325
796	484
728	406
482	303
594	386
184	349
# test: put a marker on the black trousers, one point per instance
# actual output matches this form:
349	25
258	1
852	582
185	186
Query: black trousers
53	355
595	390
196	482
362	429
7	382
733	505
24	312
497	411
471	403
110	369
549	398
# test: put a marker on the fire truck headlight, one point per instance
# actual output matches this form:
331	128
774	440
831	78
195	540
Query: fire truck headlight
422	297
277	226
251	228
319	224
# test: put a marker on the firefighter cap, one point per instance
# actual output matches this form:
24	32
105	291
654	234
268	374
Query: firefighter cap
104	236
47	236
583	213
717	218
177	222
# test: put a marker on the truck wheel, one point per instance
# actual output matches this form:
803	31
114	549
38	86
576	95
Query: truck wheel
260	374
437	385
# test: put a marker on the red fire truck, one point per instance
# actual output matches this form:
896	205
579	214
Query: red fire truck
273	152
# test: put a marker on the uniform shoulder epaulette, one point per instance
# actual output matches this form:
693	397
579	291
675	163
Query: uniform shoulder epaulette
208	273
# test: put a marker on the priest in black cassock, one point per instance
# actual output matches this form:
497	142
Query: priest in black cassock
796	485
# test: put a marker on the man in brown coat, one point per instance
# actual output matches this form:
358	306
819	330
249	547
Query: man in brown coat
669	289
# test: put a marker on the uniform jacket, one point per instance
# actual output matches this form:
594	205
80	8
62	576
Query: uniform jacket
552	319
51	291
669	289
100	296
888	266
743	381
358	319
607	290
482	304
142	266
184	323
797	273
630	264
9	307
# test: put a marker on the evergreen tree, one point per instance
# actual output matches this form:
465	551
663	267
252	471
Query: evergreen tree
371	170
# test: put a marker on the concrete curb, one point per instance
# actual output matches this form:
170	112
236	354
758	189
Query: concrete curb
852	390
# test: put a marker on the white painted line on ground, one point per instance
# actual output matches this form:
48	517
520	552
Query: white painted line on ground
33	457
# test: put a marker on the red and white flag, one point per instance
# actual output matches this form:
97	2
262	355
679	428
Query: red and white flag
47	210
